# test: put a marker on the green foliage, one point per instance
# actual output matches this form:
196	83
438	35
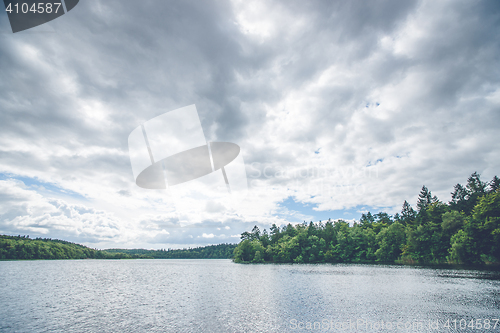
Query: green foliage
467	230
425	199
390	241
220	251
452	222
459	248
464	198
407	214
23	247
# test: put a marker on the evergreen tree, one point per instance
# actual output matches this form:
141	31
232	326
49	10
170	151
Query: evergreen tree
407	214
475	185
424	198
493	185
246	236
459	198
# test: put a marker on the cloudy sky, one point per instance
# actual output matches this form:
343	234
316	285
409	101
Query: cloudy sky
339	107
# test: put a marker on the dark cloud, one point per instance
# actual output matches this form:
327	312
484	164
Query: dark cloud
409	86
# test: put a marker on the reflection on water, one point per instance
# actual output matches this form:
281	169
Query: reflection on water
220	296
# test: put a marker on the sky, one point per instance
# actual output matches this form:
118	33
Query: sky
339	108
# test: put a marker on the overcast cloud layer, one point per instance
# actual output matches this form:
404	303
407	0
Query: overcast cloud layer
338	107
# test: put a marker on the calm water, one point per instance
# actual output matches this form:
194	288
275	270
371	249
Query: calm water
220	296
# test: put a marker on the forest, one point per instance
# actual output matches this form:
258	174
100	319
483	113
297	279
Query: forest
25	248
465	230
220	251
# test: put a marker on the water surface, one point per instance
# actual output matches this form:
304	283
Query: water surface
220	296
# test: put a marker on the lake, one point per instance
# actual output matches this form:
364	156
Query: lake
220	296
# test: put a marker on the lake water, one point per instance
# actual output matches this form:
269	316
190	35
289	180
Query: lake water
221	296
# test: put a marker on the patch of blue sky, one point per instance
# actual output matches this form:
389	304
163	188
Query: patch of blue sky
41	186
370	163
294	210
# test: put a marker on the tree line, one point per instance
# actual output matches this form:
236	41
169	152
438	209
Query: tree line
465	230
25	248
220	251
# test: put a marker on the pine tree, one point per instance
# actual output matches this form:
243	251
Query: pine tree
458	198
493	185
475	185
424	198
407	214
475	189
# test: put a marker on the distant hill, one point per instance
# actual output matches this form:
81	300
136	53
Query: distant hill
221	251
25	248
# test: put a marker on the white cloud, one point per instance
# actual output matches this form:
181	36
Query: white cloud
25	211
343	105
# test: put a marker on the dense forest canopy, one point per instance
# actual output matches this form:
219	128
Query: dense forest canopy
466	231
23	247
